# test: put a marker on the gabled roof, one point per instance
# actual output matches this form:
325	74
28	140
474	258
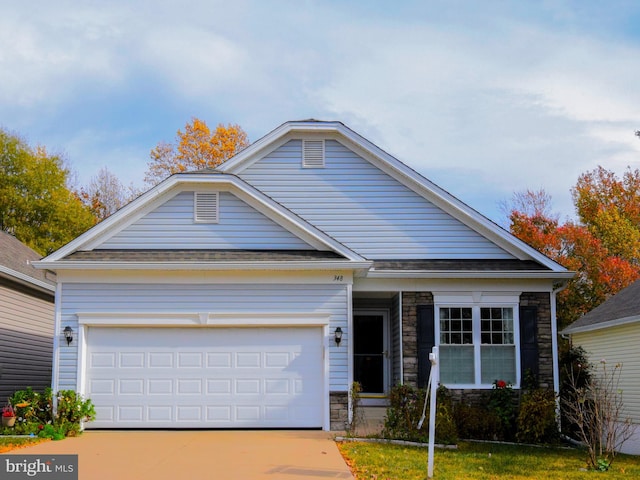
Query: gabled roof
399	171
85	249
15	264
621	309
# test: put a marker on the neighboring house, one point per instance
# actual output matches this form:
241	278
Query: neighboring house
214	299
26	319
611	332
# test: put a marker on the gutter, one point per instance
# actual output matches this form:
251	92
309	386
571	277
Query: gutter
470	274
70	265
26	279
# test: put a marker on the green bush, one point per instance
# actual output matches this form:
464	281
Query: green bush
537	417
403	414
501	403
446	431
405	410
476	422
32	407
35	414
72	410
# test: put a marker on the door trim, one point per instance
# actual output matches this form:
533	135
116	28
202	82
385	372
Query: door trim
378	398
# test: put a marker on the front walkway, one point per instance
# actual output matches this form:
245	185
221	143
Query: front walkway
219	454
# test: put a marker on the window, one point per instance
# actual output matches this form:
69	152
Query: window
477	345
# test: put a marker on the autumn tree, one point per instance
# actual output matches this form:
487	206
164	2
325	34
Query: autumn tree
601	269
106	194
36	204
196	148
610	209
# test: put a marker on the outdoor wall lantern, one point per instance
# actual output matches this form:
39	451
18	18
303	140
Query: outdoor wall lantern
338	336
68	334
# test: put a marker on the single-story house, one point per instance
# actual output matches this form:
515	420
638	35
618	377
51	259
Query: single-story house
254	294
26	319
611	332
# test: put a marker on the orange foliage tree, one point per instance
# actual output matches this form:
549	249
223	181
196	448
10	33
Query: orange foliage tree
196	148
591	247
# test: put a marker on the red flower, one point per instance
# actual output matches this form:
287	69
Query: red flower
40	427
501	384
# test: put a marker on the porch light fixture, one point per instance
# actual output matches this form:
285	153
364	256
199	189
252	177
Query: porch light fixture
68	334
338	336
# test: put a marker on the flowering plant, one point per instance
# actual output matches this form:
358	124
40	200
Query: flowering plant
8	411
500	384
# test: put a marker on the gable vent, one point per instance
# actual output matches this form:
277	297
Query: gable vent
206	207
313	153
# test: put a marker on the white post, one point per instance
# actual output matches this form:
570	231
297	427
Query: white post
435	380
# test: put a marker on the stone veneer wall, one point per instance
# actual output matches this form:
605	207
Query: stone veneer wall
542	300
410	303
339	410
412	300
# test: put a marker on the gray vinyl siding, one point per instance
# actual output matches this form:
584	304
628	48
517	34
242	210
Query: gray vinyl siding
26	341
172	226
617	345
364	208
199	298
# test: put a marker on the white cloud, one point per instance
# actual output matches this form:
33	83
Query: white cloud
484	98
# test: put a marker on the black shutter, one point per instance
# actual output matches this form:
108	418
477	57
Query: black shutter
426	341
529	341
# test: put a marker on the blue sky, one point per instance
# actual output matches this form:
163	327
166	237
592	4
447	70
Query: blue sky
483	98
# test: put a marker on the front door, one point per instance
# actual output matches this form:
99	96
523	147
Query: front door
371	351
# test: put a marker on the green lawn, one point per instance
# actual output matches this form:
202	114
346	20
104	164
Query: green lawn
478	461
11	443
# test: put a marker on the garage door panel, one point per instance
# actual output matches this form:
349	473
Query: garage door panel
205	378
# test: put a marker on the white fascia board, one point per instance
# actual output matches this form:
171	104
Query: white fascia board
176	183
26	280
447	202
328	265
112	224
520	274
398	170
273	140
599	326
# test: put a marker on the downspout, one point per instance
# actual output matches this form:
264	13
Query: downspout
55	361
349	353
401	342
554	347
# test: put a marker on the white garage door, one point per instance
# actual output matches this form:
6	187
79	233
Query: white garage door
205	377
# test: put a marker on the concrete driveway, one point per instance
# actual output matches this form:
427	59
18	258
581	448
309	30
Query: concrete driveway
219	455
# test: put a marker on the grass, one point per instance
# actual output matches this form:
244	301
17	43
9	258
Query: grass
12	443
479	461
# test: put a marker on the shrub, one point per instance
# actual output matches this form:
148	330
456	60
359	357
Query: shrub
446	431
403	414
32	407
72	411
575	373
476	422
597	410
35	415
405	410
537	417
356	412
501	403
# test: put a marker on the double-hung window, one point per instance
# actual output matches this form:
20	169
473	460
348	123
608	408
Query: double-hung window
477	344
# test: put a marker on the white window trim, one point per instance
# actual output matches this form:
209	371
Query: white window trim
477	340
